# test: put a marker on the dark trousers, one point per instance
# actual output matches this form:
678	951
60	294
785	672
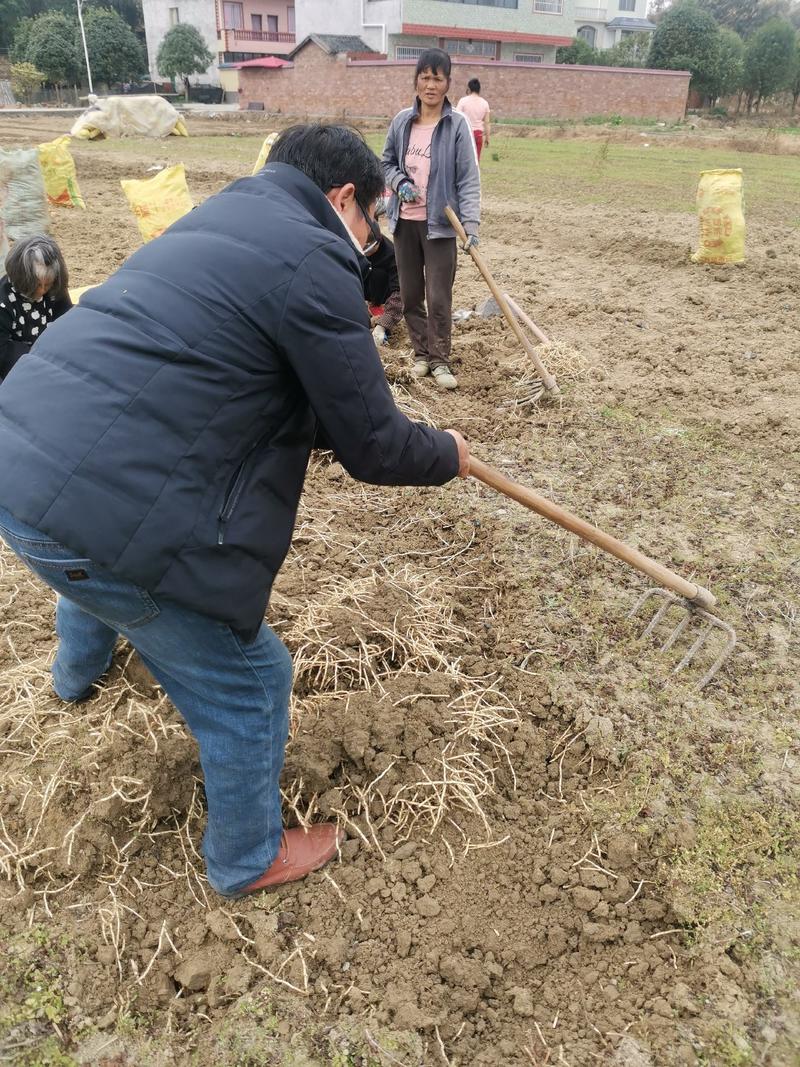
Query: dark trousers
427	272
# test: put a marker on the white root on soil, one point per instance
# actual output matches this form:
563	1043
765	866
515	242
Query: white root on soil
353	634
563	361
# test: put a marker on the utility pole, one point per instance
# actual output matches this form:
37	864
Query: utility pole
85	49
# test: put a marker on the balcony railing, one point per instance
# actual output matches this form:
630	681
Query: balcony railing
591	14
262	35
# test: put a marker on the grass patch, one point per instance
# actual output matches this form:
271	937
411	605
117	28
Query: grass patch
590	120
737	842
31	1001
662	177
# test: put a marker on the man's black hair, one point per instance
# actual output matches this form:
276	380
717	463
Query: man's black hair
474	85
331	156
434	60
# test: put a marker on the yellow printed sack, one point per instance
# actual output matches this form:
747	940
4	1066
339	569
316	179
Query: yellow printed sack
76	292
720	211
158	202
58	171
269	141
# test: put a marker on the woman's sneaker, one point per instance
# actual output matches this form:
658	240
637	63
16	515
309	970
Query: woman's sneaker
421	368
444	378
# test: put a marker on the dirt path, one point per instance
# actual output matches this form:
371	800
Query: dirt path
558	853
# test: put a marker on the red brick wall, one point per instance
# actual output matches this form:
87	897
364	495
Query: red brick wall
323	86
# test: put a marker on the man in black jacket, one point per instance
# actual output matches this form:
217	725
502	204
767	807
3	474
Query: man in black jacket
154	446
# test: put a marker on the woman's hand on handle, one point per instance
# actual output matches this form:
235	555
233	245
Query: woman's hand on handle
463	453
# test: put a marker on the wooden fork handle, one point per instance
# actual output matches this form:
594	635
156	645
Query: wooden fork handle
695	594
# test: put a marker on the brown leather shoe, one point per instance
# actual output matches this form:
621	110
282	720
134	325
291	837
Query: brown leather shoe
301	852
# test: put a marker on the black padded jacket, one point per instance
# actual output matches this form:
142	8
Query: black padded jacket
163	427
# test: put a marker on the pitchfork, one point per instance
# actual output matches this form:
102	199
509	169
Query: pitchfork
547	383
693	598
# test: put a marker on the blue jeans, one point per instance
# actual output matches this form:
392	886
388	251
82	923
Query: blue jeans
233	696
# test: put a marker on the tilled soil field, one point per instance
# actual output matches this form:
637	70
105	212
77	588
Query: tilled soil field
558	852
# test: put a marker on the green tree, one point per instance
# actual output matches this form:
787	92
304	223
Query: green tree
730	67
25	79
794	82
183	52
22	33
12	12
769	61
687	38
631	51
114	50
52	48
578	52
745	16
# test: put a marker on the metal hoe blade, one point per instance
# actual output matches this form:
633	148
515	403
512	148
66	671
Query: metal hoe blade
710	623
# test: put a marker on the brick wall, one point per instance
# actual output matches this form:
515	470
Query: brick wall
324	86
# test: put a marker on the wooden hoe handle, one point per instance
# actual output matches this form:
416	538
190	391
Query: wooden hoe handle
695	594
548	380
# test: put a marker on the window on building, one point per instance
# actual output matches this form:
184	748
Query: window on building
255	23
290	19
174	16
233	16
627	5
588	34
488	3
470	48
529	57
403	51
272	23
548	7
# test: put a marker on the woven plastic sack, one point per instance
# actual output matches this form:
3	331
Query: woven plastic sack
269	141
58	171
76	292
23	204
720	212
158	202
128	116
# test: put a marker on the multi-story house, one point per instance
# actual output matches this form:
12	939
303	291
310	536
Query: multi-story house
234	31
522	31
525	31
607	24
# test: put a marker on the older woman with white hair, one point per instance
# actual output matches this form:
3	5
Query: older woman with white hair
33	292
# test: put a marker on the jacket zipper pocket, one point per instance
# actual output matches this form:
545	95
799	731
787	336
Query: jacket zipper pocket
234	493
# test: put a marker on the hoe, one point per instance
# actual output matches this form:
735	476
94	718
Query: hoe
673	590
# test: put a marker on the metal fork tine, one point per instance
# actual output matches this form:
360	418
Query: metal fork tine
729	647
695	648
710	623
656	619
676	633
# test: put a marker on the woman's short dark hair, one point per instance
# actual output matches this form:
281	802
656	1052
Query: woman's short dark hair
474	85
331	156
34	260
434	60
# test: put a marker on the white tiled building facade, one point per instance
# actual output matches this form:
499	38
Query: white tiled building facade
520	31
523	31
